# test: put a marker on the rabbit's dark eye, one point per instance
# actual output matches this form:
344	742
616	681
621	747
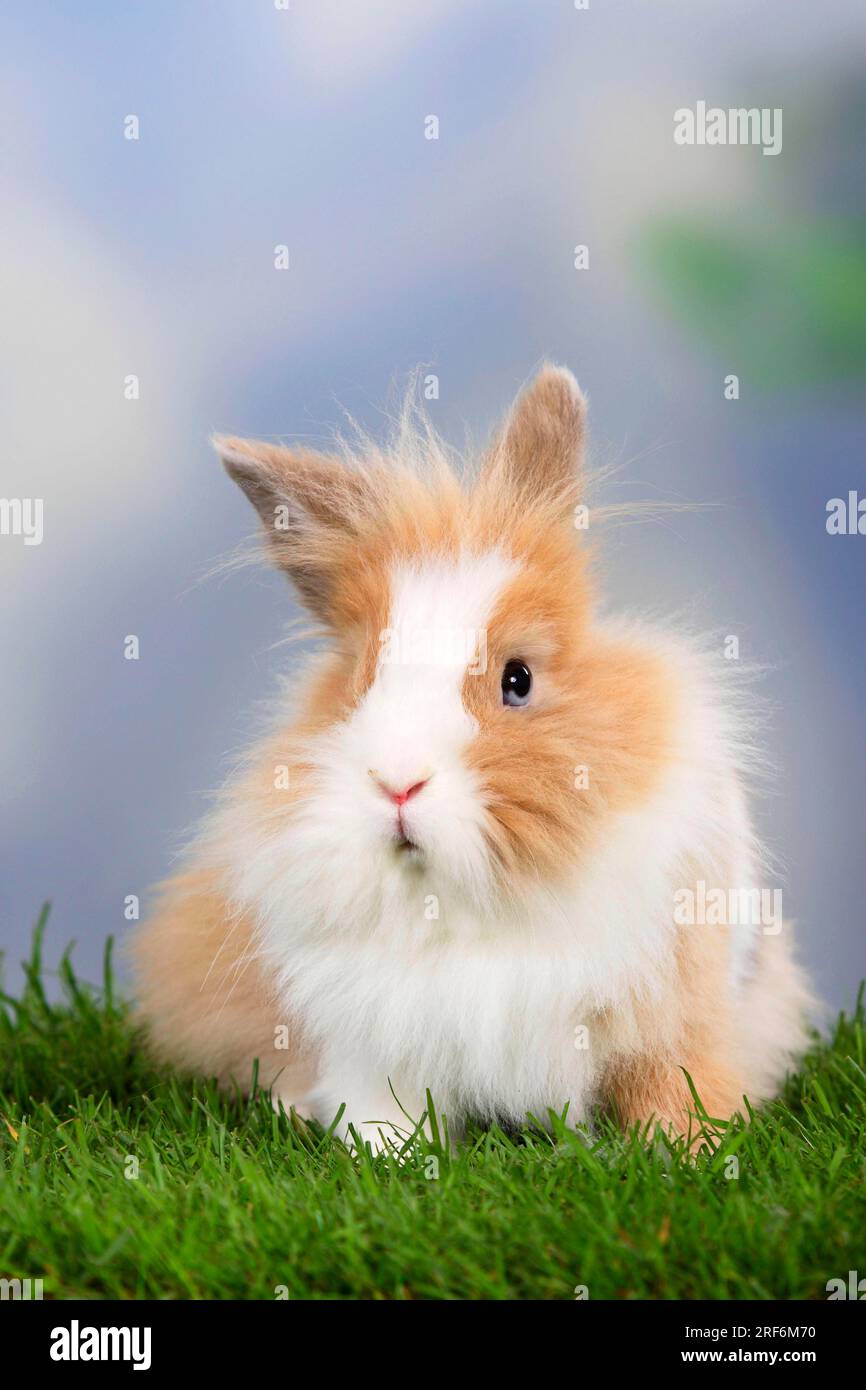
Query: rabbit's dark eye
516	683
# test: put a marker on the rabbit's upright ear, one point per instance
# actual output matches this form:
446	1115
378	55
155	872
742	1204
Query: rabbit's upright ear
537	456
309	504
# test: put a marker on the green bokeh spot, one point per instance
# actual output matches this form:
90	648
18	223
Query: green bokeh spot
786	307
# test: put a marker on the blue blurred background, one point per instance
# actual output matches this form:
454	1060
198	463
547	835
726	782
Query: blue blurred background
306	127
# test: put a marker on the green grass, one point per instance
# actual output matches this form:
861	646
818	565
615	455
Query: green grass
232	1200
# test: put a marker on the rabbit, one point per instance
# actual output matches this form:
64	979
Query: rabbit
468	854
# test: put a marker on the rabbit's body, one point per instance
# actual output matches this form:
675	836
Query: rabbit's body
424	880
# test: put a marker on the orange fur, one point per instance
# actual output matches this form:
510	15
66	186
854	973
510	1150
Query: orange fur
697	1034
201	995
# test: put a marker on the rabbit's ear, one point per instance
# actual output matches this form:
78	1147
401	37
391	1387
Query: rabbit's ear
309	504
537	455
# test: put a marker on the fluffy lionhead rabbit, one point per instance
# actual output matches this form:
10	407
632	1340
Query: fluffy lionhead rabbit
461	858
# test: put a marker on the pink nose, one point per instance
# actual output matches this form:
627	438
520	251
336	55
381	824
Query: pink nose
400	798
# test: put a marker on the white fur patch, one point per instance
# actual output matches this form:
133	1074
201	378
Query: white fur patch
413	716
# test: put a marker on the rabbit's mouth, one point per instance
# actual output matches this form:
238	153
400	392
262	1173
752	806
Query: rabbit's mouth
404	846
403	843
